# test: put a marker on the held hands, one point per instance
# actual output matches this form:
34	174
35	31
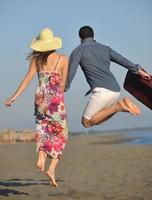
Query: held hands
8	102
144	74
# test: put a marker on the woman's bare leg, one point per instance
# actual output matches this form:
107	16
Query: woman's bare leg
41	160
51	172
124	105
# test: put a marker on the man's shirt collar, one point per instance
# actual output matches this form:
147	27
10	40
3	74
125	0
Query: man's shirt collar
88	40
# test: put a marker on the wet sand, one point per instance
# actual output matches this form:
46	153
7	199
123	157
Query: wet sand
93	167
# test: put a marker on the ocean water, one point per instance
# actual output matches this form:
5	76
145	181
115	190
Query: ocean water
135	136
143	136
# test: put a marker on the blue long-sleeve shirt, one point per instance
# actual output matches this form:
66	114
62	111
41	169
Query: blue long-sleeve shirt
94	59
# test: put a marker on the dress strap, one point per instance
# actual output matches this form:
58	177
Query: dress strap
57	64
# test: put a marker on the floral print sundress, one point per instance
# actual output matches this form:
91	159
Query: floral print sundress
51	132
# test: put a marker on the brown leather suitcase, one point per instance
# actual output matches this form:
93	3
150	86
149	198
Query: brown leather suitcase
140	88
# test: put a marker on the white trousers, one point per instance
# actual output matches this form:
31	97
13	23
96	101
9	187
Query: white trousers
100	98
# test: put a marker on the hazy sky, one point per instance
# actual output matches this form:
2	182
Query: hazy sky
125	25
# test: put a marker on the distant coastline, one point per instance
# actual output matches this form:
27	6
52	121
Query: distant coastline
80	132
111	130
10	136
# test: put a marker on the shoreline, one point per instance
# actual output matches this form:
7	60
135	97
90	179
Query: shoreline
13	137
92	167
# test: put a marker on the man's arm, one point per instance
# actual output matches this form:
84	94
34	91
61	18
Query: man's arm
119	59
73	66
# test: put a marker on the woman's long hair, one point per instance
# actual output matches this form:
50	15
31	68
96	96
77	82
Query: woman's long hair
41	57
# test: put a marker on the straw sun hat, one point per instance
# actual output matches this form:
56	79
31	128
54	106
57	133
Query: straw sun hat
46	41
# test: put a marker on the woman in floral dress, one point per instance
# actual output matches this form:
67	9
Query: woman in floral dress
51	120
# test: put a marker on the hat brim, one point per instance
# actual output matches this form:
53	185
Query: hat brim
40	45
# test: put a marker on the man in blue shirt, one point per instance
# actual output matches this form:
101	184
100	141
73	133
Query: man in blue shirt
94	59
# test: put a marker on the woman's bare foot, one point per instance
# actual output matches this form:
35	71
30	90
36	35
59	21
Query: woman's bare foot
51	176
128	106
41	161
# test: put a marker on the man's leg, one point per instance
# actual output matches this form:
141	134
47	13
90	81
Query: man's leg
124	105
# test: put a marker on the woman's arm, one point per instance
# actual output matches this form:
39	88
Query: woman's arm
27	79
64	73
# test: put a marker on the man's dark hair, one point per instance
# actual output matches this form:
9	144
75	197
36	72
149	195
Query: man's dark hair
85	32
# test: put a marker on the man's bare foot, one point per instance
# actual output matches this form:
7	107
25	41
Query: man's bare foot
128	106
51	176
41	161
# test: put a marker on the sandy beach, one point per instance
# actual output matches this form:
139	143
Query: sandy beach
93	167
